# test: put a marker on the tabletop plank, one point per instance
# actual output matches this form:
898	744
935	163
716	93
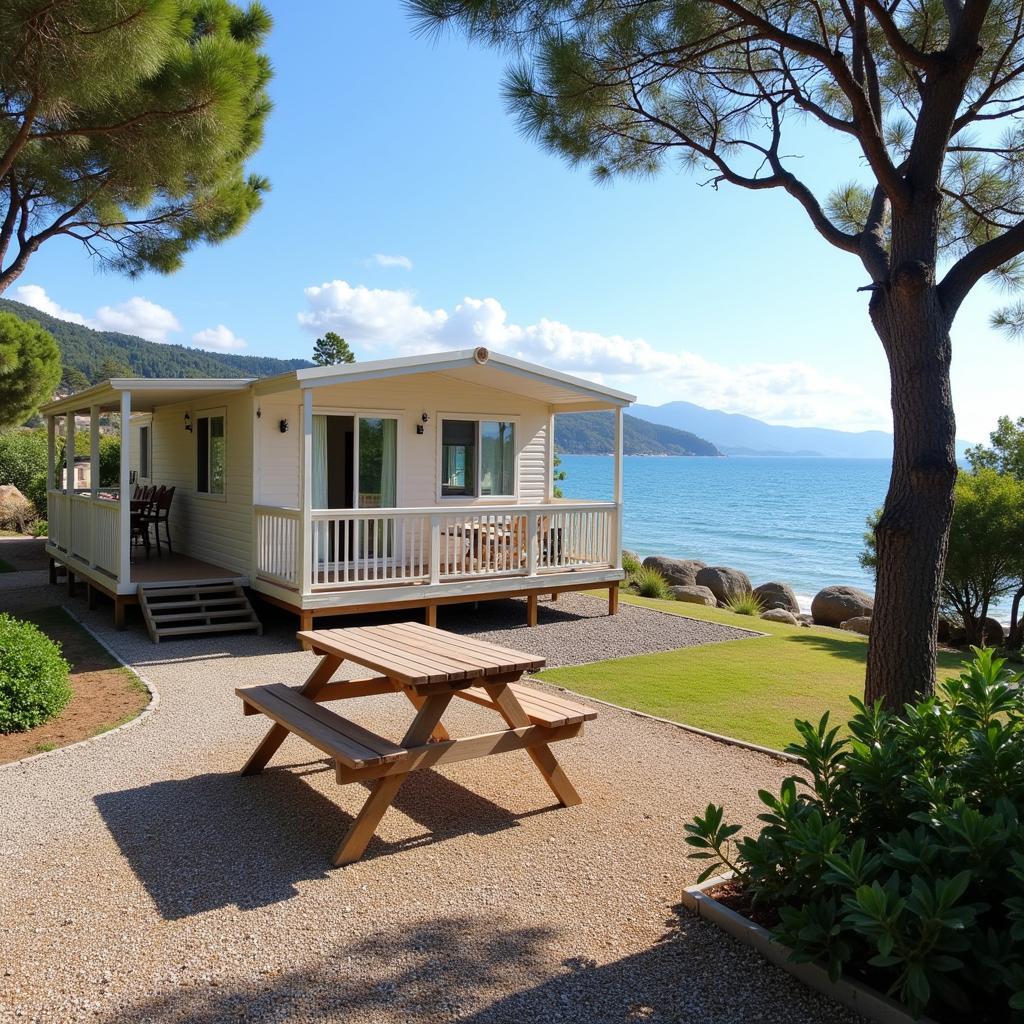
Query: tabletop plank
510	656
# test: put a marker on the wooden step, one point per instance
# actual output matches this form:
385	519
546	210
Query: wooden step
203	608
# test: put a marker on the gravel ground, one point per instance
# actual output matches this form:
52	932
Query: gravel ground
142	880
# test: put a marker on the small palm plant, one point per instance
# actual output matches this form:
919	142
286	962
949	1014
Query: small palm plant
745	603
650	583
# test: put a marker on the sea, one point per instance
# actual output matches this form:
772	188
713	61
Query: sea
799	520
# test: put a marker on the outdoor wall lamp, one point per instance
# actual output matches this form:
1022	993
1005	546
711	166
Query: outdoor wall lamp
424	419
188	423
283	426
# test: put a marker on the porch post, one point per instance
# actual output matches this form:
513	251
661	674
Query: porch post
549	455
69	454
124	575
617	537
51	451
94	449
307	492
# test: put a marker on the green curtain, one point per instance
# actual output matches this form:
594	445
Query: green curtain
319	495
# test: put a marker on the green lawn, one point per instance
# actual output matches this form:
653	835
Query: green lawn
750	689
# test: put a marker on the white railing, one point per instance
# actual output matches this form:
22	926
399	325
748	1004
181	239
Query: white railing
387	547
278	544
86	527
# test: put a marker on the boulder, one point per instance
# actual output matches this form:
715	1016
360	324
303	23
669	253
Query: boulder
858	624
993	631
780	615
834	605
724	582
16	511
693	595
678	572
777	595
631	556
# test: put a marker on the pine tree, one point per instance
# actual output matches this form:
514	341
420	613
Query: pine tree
127	128
29	368
332	349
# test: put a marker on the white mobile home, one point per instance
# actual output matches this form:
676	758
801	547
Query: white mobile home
401	483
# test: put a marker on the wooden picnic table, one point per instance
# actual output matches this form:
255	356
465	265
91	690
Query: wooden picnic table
431	667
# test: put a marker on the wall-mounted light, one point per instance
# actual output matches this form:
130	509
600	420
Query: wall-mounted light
424	419
283	426
188	423
259	411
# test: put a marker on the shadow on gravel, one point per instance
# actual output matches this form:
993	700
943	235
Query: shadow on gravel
220	840
488	969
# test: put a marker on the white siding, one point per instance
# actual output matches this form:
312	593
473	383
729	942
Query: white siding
213	528
278	461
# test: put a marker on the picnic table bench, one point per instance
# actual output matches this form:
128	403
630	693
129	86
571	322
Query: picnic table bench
431	667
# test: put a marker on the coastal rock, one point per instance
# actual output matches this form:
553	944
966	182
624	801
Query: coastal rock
630	556
858	624
834	605
777	595
693	595
780	615
724	582
678	572
993	633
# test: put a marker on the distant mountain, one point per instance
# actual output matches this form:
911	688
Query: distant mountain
593	433
86	350
744	435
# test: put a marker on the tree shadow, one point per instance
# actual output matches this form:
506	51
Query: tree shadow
219	840
490	969
850	650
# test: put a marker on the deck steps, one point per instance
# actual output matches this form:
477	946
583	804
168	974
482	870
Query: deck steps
194	610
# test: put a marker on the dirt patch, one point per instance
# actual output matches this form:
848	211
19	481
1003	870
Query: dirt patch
105	694
21	553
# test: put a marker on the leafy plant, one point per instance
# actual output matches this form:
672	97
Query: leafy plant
746	603
34	683
40	528
631	564
650	583
898	853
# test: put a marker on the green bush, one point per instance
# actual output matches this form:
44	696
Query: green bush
40	528
650	583
901	857
746	603
33	676
631	564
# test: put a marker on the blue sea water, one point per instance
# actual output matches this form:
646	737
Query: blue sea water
800	520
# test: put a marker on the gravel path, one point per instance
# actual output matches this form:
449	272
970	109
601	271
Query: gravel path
141	880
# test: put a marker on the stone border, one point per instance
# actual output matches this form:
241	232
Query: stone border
851	993
149	709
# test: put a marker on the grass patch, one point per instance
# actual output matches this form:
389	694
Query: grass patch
750	689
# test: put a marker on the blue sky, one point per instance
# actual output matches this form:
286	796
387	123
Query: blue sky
385	144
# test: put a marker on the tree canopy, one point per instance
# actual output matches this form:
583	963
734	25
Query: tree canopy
127	126
1005	452
332	349
29	368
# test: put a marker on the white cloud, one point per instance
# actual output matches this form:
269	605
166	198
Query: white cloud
383	260
387	322
134	316
219	338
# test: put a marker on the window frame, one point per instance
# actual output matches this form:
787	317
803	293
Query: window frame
210	414
477	498
146	450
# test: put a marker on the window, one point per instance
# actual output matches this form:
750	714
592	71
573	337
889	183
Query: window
144	452
210	454
478	458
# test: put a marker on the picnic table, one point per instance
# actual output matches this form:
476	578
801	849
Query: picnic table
430	667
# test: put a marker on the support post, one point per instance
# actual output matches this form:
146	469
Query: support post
430	615
531	608
613	599
94	450
549	458
306	567
617	529
69	492
51	452
124	533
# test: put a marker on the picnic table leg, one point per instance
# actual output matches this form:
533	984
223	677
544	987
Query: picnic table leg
277	733
515	717
440	733
383	790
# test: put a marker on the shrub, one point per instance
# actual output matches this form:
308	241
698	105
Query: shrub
16	511
631	564
901	856
650	583
40	528
33	676
746	603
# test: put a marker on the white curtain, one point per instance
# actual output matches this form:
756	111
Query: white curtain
319	495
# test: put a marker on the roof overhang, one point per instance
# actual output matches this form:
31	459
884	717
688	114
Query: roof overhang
561	391
147	393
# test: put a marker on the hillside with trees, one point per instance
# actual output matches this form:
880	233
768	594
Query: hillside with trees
593	433
93	353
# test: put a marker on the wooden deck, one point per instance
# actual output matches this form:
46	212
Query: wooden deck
178	569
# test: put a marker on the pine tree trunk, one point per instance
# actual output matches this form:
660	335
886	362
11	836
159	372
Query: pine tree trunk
913	531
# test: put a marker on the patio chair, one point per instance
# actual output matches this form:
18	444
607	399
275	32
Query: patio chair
142	499
159	511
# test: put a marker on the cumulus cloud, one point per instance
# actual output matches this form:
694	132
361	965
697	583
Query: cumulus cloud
387	322
390	262
134	316
219	338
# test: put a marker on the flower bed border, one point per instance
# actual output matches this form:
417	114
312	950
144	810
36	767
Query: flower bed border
851	993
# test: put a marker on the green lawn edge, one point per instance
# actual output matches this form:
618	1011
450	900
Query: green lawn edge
750	689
